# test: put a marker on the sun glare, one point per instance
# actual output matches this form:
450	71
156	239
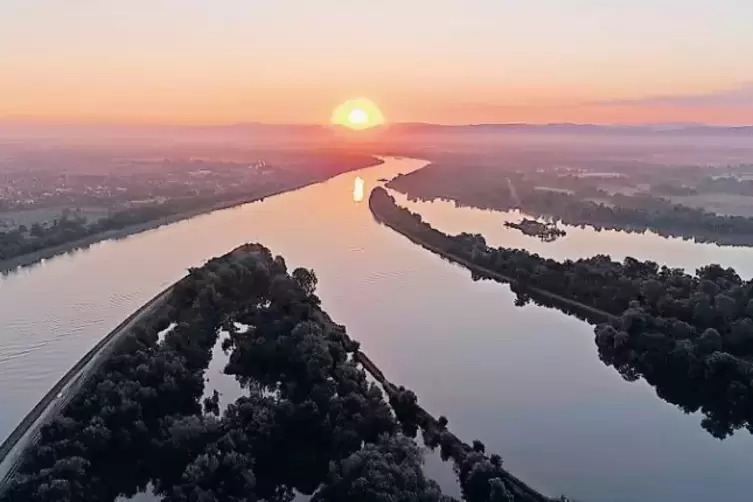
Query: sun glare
358	189
358	117
357	114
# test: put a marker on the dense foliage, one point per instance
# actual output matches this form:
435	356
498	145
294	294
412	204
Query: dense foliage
309	420
577	203
691	336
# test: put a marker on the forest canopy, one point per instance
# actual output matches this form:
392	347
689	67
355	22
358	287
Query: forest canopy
309	420
688	335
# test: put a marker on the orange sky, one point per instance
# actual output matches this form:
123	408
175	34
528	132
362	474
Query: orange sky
445	61
222	105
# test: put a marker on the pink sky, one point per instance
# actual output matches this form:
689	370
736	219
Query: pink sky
444	61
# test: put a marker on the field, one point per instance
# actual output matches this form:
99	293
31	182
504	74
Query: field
10	220
726	204
554	189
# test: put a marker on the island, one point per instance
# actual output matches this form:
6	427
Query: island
691	203
688	335
546	232
308	421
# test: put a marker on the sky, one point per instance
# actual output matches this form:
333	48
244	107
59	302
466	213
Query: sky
441	61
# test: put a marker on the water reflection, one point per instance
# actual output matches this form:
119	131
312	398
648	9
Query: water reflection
579	242
683	373
358	189
541	396
674	375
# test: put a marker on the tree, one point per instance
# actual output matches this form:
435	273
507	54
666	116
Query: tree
710	340
390	470
212	403
663	324
37	230
499	492
726	306
306	279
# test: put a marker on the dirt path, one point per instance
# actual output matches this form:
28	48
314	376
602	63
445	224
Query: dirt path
514	193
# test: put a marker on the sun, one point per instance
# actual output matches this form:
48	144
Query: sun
358	117
357	114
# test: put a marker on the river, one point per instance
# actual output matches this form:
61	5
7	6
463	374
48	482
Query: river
525	381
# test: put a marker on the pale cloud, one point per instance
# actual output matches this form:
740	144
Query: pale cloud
740	96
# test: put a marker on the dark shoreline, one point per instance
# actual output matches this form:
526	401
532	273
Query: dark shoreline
427	420
54	401
547	298
12	264
76	379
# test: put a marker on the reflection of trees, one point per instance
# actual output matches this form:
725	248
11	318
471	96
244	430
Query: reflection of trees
309	420
545	232
690	336
632	214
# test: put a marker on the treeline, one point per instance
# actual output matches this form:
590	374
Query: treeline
309	421
481	477
726	185
23	240
691	336
71	227
586	205
640	213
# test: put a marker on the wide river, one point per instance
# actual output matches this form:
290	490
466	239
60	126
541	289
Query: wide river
526	381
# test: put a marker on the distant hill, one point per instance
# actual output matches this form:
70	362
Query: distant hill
567	128
302	132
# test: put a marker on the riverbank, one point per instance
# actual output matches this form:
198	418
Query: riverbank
27	431
428	422
591	314
28	259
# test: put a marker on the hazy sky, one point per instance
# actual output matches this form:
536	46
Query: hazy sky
448	61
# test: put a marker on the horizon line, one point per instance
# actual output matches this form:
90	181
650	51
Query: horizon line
30	122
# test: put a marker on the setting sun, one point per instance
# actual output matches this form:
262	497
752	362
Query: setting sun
358	117
357	114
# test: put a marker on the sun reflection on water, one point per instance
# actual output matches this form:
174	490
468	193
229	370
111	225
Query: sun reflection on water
358	189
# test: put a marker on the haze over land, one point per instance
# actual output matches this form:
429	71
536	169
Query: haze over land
536	215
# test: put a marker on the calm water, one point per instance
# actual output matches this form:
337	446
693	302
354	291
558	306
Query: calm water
580	242
526	381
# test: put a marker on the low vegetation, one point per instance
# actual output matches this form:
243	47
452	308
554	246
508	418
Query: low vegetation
689	335
71	227
132	194
309	421
580	201
546	232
